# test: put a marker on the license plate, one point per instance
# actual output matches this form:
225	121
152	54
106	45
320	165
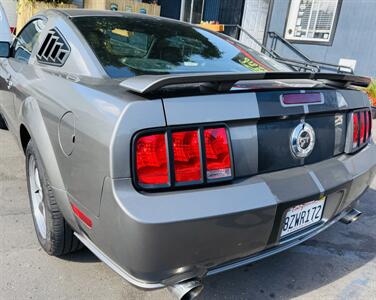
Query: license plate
303	215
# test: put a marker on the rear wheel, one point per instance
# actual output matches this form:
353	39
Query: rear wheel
54	234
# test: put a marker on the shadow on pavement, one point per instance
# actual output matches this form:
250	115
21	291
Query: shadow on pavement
82	256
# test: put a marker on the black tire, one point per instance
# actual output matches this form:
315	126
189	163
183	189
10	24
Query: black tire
58	238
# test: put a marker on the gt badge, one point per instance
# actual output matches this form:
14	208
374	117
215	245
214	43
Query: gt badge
302	140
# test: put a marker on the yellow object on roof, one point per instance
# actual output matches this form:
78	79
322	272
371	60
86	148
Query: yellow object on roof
213	26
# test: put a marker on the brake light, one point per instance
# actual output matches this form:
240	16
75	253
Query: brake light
187	161
355	130
360	132
369	125
151	160
217	153
196	156
362	127
307	98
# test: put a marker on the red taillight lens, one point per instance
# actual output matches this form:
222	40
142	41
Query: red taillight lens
369	125
187	159
361	130
180	158
151	160
217	153
355	130
362	127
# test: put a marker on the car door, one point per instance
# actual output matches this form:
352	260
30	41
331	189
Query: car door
12	69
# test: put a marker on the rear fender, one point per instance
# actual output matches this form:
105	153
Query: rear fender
31	118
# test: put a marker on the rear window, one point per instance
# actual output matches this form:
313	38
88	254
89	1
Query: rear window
136	45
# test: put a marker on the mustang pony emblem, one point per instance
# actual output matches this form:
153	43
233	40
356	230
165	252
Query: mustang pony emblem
302	140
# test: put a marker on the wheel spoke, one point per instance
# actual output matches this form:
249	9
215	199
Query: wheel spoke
36	194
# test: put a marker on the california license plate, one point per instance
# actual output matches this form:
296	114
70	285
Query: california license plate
303	215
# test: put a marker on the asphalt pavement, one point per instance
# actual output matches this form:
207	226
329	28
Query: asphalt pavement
339	263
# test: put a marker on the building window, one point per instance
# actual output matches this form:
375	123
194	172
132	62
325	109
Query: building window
312	20
192	11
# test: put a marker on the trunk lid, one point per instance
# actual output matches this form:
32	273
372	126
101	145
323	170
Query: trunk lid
261	126
261	123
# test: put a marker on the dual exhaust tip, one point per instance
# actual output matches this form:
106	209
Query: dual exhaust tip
190	289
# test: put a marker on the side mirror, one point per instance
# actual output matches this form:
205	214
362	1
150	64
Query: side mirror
4	49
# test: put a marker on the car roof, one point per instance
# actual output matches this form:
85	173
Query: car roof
74	13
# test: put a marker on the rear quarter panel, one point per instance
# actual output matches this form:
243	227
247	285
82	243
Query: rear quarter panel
103	119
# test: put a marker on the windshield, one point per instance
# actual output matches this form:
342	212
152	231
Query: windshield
136	45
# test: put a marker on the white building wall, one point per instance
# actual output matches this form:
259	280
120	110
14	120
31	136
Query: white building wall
10	7
254	21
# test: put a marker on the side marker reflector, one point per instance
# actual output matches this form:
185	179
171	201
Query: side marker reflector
84	218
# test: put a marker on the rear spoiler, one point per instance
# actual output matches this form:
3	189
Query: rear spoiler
148	84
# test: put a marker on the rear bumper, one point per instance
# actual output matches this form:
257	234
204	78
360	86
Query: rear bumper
160	239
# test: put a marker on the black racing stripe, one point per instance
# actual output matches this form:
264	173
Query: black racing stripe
355	99
269	104
279	217
274	144
282	208
330	103
325	137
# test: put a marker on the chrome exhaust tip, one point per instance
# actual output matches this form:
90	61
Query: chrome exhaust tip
351	217
186	290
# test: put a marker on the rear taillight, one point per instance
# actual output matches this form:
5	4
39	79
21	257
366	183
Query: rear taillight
187	158
179	157
359	130
369	124
151	160
355	130
217	153
362	129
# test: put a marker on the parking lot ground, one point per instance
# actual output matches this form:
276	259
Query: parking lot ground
340	263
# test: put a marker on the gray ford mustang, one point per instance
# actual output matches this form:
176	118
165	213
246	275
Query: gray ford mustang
173	152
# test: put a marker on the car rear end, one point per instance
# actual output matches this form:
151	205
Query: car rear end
216	184
210	171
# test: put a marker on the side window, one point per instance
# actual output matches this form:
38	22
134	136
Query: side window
26	40
54	50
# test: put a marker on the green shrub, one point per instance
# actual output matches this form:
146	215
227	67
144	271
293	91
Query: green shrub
371	91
